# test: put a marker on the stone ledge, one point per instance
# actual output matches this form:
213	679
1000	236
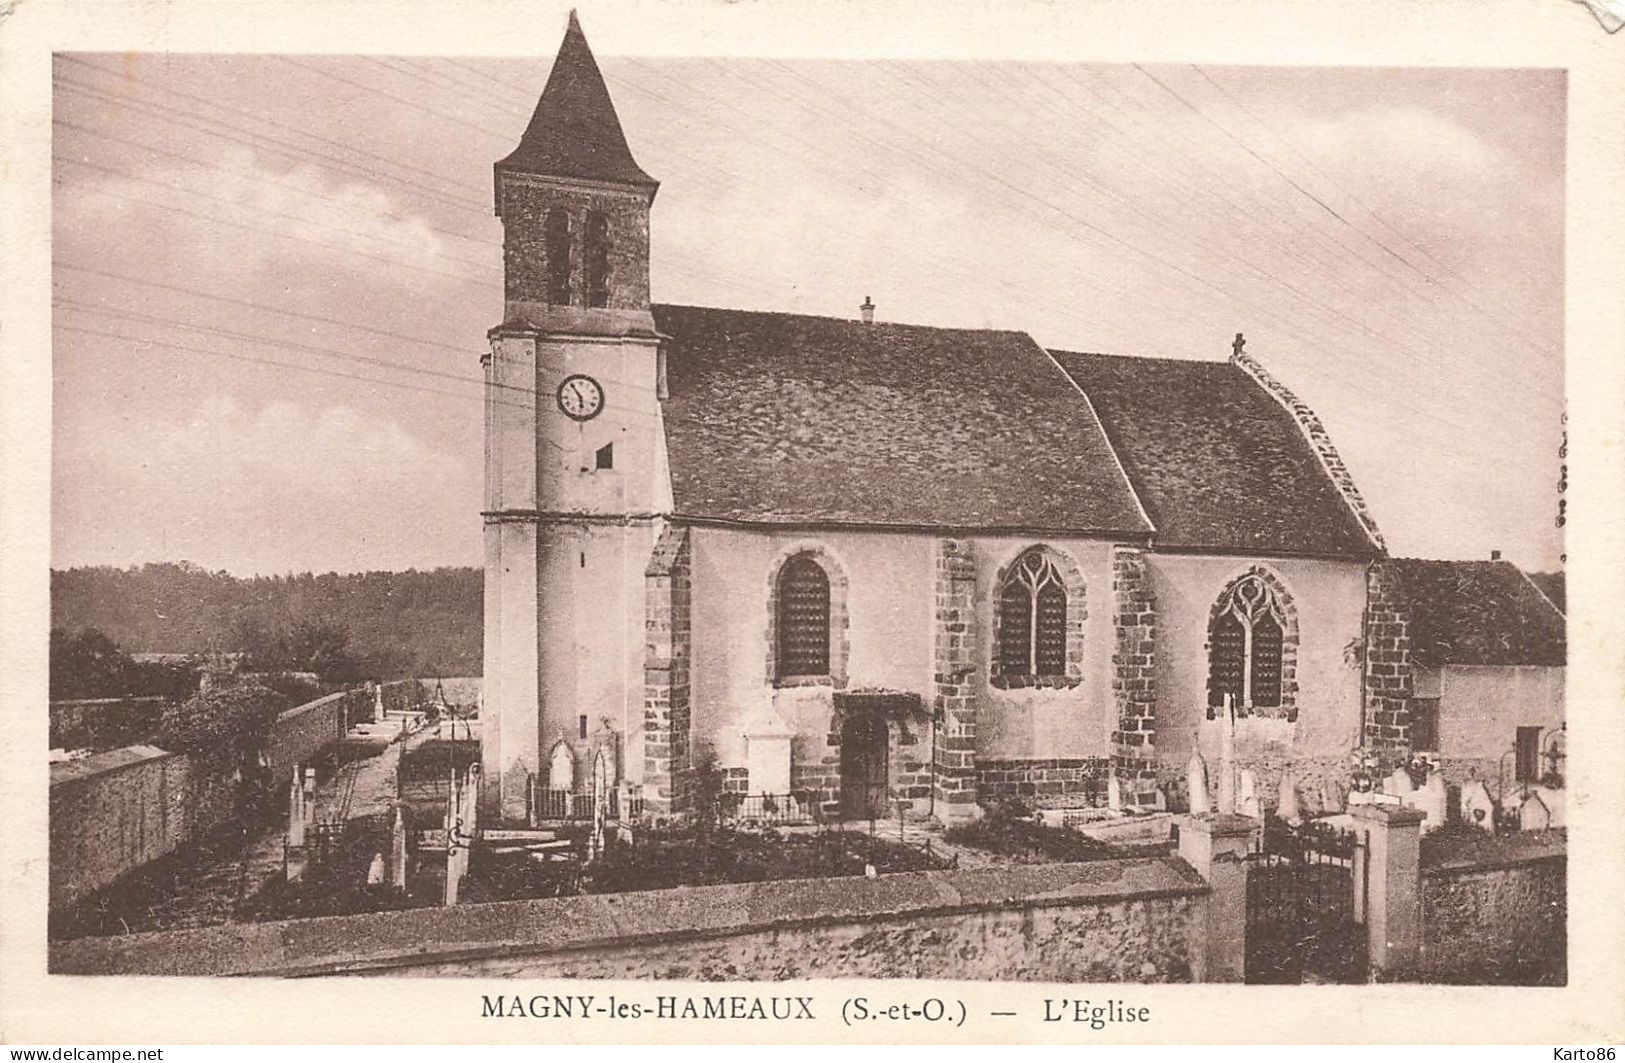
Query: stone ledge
381	940
1467	865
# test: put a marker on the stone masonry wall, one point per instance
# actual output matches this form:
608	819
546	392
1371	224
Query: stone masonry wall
667	654
524	203
1502	924
1107	921
1390	678
1054	783
954	693
1134	684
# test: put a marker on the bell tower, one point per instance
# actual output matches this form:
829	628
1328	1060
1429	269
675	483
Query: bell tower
575	472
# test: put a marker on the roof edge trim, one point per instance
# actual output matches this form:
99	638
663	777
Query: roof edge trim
1319	440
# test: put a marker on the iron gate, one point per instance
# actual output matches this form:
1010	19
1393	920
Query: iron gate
1301	924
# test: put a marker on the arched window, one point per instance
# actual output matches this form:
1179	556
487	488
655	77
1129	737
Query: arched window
596	255
1246	642
556	238
803	620
1032	619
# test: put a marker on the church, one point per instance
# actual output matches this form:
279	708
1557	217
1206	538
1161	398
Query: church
889	568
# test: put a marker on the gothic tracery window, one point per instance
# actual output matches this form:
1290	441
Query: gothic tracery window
803	619
1246	639
1032	619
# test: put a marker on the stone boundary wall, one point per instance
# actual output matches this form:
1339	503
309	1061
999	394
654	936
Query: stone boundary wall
123	809
1052	783
87	722
119	810
1108	921
1500	920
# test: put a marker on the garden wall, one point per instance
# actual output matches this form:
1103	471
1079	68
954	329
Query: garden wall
1500	921
103	722
1108	921
116	811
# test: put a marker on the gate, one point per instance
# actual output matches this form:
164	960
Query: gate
1301	924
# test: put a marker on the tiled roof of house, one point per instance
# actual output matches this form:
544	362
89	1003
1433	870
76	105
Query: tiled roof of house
1478	612
1553	586
1216	460
574	131
782	418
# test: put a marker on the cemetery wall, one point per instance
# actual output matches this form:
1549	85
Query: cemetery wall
103	722
1496	921
119	810
1109	921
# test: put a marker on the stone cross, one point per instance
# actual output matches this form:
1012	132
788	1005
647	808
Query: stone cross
1227	758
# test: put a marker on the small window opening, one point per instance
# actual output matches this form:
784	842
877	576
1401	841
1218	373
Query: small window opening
596	253
1528	754
557	255
583	559
583	721
605	458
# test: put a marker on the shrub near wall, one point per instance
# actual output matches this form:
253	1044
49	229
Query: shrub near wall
1499	923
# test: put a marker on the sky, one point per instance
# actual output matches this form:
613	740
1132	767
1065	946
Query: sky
273	275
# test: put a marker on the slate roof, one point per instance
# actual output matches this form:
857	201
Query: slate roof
574	131
787	419
1218	463
1478	612
1554	586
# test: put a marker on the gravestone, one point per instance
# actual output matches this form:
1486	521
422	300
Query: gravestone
1247	796
1533	813
1196	784
1476	807
1432	799
1286	802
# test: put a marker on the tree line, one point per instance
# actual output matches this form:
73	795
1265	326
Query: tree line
377	625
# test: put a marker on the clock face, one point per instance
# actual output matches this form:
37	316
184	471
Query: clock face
580	397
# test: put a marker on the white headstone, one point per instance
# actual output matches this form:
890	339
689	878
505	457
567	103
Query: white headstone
375	870
1286	803
1476	806
397	852
1432	799
377	703
1114	794
1399	783
1247	797
1227	758
1196	784
296	812
1533	814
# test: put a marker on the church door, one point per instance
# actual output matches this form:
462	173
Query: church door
863	767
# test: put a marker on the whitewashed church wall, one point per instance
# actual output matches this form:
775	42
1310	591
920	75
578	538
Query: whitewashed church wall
1047	723
1329	599
591	614
889	609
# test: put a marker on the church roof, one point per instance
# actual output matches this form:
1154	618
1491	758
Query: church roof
787	419
1478	612
574	131
1218	463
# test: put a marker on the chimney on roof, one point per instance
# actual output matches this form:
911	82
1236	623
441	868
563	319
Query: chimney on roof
1495	555
867	310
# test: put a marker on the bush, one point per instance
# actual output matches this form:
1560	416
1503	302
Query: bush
233	718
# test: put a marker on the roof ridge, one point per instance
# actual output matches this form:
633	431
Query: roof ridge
1062	352
855	322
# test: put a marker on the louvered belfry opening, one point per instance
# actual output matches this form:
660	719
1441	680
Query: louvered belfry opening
1032	619
803	648
556	237
596	258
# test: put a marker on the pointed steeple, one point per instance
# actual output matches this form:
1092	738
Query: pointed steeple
574	131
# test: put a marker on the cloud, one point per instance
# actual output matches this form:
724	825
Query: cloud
330	222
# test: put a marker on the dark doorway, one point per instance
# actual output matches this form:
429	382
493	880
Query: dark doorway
864	744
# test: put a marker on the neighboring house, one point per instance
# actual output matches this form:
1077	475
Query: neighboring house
888	565
1490	649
